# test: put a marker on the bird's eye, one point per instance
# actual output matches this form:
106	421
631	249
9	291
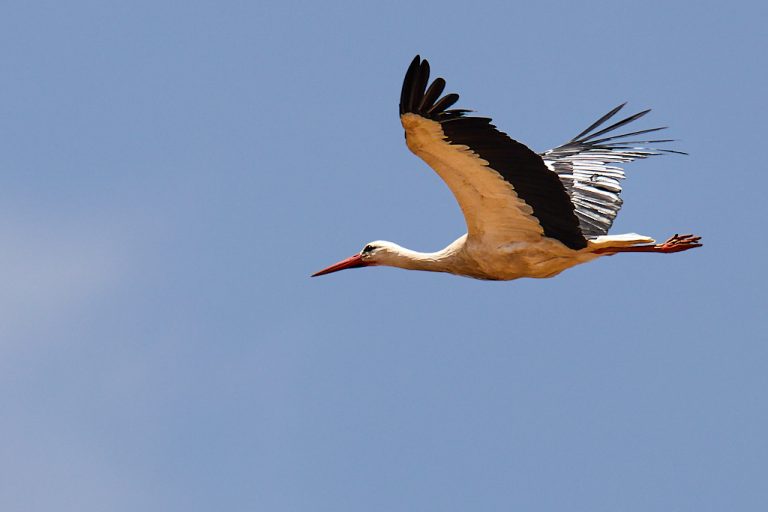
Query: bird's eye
368	248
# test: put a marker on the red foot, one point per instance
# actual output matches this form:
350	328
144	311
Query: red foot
679	243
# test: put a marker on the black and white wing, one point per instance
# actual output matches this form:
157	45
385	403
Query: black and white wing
588	166
504	189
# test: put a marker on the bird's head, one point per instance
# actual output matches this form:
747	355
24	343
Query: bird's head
374	253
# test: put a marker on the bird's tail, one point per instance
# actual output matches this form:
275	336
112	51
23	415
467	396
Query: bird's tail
625	240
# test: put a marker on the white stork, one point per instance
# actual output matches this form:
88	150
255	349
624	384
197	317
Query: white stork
527	215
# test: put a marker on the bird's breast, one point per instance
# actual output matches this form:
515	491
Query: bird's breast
513	260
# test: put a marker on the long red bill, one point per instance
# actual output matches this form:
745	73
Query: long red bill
351	262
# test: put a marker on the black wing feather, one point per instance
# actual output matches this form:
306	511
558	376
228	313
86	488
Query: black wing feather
599	122
434	92
617	125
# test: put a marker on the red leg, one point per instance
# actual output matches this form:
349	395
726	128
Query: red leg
675	243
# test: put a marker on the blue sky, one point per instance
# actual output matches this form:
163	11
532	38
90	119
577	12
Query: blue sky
172	172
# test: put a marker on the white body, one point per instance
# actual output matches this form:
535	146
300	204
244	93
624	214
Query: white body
467	257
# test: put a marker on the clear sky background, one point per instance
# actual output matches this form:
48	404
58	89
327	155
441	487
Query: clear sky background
172	172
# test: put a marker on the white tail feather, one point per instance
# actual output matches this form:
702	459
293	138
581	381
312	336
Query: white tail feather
624	240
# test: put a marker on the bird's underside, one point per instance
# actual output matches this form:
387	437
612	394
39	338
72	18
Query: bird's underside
541	258
527	214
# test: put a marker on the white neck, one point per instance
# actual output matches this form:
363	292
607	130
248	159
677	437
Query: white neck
393	255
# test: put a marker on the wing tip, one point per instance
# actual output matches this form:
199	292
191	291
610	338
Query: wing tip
420	97
588	138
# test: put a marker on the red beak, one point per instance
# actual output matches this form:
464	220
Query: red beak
351	262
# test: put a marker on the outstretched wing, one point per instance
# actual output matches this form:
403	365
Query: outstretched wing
588	167
504	189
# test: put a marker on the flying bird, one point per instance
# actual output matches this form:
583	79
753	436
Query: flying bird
527	214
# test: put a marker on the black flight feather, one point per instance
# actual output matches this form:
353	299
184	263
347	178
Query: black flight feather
599	122
434	92
616	125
